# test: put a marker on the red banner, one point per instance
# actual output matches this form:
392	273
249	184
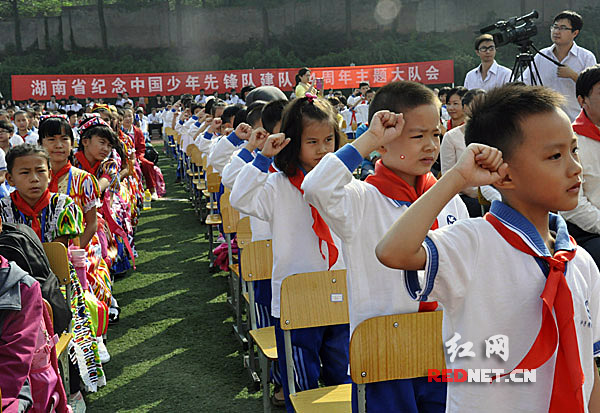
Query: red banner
41	87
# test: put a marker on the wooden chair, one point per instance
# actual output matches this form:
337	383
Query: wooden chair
392	347
59	263
313	300
244	232
257	265
213	218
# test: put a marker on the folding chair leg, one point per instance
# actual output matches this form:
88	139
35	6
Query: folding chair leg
362	398
289	361
63	362
264	378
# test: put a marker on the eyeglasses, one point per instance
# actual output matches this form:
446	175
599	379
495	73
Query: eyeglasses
560	28
484	49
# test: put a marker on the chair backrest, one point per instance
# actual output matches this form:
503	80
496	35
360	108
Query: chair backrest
398	346
257	261
213	181
229	215
59	261
244	232
190	150
49	308
314	299
169	131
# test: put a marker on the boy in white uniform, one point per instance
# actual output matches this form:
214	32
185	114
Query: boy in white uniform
361	212
490	273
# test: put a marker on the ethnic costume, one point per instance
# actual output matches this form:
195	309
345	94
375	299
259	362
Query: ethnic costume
54	216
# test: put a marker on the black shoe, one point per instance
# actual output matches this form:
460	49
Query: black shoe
178	180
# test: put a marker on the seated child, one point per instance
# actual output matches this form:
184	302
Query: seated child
489	273
361	212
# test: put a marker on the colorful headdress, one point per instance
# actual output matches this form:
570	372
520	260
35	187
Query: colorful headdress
89	120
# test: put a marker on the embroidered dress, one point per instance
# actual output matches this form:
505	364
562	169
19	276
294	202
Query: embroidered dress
83	188
62	217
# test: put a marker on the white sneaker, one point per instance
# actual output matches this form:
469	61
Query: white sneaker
102	351
154	196
77	403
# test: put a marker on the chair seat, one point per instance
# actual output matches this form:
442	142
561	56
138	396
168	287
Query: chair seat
214	219
265	340
235	268
332	399
246	297
63	342
212	205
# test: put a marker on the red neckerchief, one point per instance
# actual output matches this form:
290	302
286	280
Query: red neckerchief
319	226
585	127
53	187
33	213
85	163
450	126
394	187
567	393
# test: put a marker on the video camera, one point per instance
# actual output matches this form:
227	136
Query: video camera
509	32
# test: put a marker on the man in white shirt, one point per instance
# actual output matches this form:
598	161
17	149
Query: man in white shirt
359	98
234	98
572	58
75	106
201	98
52	105
584	220
488	74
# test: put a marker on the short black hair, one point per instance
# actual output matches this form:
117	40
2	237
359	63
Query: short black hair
458	90
240	117
573	17
102	131
470	95
229	113
271	114
586	81
6	125
497	118
483	38
54	126
402	96
254	112
295	116
361	84
22	150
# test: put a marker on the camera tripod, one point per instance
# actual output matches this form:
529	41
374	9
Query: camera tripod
524	61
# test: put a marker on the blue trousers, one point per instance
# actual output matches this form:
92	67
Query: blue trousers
311	348
262	307
403	396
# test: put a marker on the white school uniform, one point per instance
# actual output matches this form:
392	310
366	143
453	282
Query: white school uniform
15	140
487	287
31	137
587	213
261	230
273	198
361	215
221	153
205	142
496	76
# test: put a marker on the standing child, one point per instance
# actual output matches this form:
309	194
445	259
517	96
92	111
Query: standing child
302	241
489	273
54	217
361	212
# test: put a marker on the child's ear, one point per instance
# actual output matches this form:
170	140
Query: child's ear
506	182
9	179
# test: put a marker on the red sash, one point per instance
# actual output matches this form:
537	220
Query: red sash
85	163
585	127
33	213
396	188
55	177
567	392
319	226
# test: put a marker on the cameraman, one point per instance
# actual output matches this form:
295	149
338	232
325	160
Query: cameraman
488	74
572	58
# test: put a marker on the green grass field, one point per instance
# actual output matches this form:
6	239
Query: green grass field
173	348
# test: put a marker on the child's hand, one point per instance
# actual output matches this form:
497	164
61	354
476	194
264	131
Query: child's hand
215	125
384	128
227	131
274	144
481	165
257	139
243	131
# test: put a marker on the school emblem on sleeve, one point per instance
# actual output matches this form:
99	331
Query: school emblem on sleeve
451	219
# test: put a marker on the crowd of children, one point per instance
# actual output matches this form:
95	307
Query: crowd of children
76	180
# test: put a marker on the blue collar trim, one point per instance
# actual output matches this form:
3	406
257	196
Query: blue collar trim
515	221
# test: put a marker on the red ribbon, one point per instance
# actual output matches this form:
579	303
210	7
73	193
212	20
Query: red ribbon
585	127
567	392
33	213
86	164
53	187
319	226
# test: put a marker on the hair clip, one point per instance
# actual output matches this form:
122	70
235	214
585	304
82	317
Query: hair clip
59	116
91	121
311	98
